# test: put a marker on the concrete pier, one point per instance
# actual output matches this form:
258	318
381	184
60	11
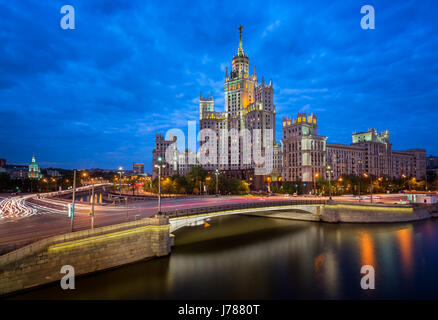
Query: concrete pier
87	251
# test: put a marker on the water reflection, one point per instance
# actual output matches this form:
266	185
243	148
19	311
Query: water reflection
404	238
261	258
366	249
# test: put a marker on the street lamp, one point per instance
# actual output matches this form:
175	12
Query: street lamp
269	179
216	172
92	205
72	213
329	169
359	162
371	185
84	175
159	165
314	181
120	180
54	180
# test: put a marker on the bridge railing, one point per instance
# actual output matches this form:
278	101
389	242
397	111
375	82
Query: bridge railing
245	205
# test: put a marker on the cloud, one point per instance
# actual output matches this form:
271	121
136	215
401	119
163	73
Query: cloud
271	28
97	95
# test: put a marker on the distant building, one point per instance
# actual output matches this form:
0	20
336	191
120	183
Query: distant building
19	172
2	163
53	173
34	170
138	168
432	162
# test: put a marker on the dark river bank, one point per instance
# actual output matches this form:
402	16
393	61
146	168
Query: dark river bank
240	257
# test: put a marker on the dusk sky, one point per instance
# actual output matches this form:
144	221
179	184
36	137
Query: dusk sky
97	95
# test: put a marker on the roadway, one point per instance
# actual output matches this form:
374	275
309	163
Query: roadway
22	222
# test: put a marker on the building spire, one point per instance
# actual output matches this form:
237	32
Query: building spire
240	51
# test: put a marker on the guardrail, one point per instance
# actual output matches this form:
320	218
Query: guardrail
148	197
249	205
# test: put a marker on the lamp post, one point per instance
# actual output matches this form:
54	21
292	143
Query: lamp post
159	165
316	175
55	181
371	185
216	172
92	206
404	177
72	214
341	187
360	174
120	180
127	214
330	181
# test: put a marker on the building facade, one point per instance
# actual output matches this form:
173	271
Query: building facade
159	155
307	155
138	168
304	151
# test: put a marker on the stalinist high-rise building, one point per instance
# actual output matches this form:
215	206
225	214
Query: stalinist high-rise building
249	107
244	133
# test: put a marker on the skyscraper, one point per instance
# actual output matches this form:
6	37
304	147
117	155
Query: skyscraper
248	121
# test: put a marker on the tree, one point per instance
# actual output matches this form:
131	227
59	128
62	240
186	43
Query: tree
196	176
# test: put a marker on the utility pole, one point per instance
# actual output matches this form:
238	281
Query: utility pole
92	206
73	202
371	188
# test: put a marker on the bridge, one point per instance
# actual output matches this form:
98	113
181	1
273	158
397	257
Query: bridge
308	210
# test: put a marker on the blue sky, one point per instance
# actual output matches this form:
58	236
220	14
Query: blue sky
95	96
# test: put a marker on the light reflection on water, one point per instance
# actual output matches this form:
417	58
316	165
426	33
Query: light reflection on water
261	258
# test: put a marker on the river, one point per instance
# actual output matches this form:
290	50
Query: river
241	257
